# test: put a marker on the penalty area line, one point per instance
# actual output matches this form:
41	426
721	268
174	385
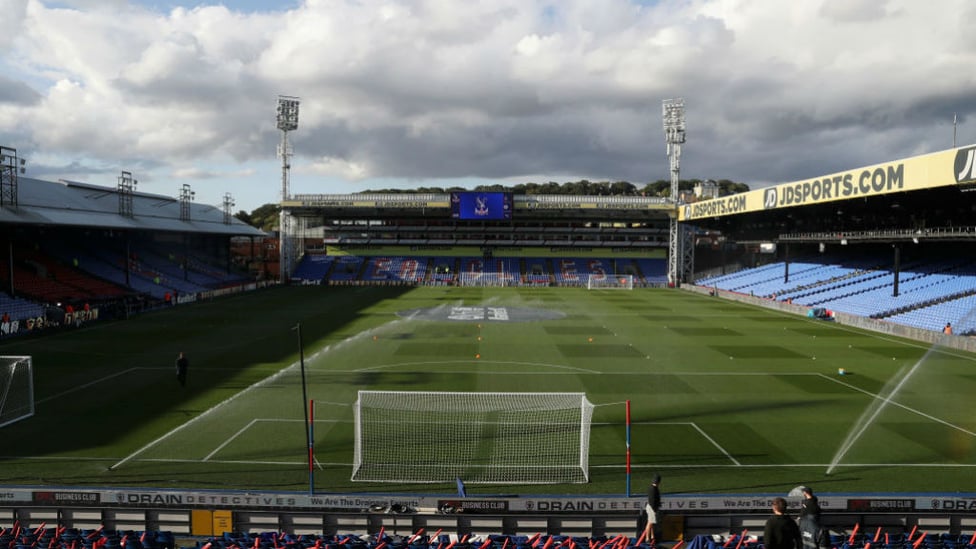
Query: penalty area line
259	420
211	410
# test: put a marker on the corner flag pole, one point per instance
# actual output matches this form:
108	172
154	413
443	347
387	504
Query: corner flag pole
311	447
308	429
628	448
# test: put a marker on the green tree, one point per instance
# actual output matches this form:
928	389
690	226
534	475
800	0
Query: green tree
243	216
266	217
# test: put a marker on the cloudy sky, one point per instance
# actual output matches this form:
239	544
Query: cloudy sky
407	93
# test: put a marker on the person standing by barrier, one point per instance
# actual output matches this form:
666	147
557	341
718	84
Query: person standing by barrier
653	510
182	365
810	528
781	532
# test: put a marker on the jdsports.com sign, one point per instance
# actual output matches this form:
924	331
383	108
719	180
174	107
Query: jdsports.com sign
879	180
941	169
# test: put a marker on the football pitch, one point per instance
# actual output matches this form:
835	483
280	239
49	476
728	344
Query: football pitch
725	397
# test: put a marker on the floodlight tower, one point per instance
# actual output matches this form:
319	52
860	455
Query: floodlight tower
287	121
10	166
679	264
228	208
186	198
127	186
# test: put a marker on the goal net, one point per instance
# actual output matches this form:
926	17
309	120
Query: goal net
480	438
16	389
488	280
610	282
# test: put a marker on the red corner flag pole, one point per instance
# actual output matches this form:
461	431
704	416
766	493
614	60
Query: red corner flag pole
628	448
311	447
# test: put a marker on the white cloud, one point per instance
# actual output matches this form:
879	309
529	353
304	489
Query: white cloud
337	167
194	172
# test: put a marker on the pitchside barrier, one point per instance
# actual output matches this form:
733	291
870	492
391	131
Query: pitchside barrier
337	514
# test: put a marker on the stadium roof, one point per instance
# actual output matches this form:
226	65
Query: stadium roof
69	203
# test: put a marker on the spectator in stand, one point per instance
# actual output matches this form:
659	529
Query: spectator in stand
948	329
780	531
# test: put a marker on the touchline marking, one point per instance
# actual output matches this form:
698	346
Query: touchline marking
277	420
902	406
229	440
692	423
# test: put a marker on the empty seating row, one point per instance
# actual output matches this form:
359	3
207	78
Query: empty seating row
930	293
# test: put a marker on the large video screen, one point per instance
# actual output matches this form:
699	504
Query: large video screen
481	205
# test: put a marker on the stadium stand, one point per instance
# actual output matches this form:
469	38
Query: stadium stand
347	268
317	267
443	271
19	537
71	246
537	271
16	308
395	269
849	539
491	272
313	268
930	292
653	272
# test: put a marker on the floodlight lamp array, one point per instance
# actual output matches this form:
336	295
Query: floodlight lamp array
126	187
673	111
186	197
228	207
287	113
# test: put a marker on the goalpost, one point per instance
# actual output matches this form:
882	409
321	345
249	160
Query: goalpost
16	389
480	438
610	282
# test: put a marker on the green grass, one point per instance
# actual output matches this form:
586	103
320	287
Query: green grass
725	397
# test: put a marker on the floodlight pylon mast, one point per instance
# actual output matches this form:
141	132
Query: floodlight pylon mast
681	259
10	165
287	120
